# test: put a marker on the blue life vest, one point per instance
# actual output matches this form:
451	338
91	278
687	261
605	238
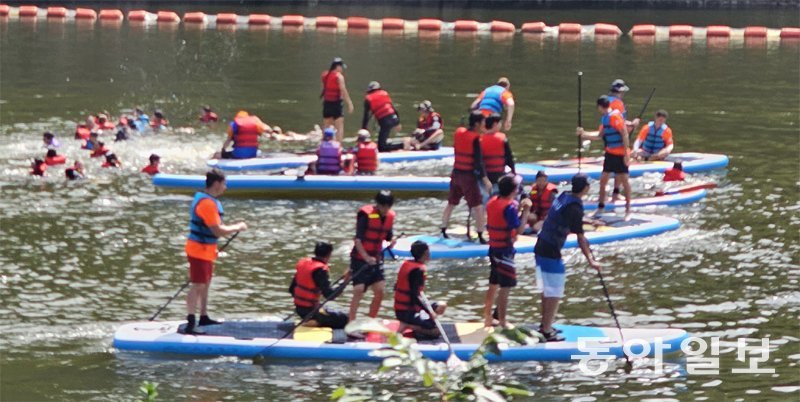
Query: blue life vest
492	99
556	228
142	123
198	231
329	157
654	141
611	137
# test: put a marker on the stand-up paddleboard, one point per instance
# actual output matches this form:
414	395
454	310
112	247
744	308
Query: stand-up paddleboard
563	170
292	162
249	339
615	229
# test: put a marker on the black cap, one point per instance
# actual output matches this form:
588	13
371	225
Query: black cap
418	249
385	197
579	182
541	173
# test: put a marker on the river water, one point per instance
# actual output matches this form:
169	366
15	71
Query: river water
80	258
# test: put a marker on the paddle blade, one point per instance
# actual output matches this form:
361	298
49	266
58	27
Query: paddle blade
454	363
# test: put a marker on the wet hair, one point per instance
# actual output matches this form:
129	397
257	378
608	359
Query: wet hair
475	118
48	135
506	185
158	114
384	197
662	113
418	249
70	173
51	153
492	120
207	108
678	166
213	176
323	249
503	82
603	101
111	158
154	158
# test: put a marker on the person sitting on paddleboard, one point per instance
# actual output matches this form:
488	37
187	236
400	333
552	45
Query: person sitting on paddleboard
208	116
494	98
654	142
152	167
614	134
468	175
430	129
496	151
312	280
205	227
504	221
366	154
408	308
329	154
565	217
542	195
374	225
243	132
378	103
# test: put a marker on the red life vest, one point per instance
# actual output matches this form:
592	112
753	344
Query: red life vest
500	236
82	133
106	125
494	152
376	232
247	132
367	156
380	104
427	122
306	293
39	169
402	289
55	160
150	169
156	123
463	142
674	175
99	152
330	86
542	201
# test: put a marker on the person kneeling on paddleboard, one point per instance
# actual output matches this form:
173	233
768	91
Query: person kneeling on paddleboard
542	195
654	142
408	307
311	281
565	217
503	222
205	227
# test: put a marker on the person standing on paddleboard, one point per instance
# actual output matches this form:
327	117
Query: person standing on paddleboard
504	222
374	225
205	227
615	95
312	280
614	134
408	306
565	217
496	152
334	93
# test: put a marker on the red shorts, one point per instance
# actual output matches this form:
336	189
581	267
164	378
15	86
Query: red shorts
200	270
464	185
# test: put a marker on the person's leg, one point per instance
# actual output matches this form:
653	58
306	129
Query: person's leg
602	196
479	213
549	310
448	210
204	300
488	302
615	191
358	294
626	185
502	305
192	298
377	297
338	124
383	136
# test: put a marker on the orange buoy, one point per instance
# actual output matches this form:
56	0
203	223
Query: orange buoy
293	20
85	14
502	26
259	19
393	23
466	26
4	9
533	27
643	30
28	11
790	33
357	23
327	21
226	18
137	15
723	31
755	32
111	15
429	24
680	30
168	16
194	18
606	29
569	28
56	12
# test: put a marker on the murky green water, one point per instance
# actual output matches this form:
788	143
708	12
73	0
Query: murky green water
80	258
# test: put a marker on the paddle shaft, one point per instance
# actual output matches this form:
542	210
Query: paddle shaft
424	300
641	112
580	117
186	284
613	314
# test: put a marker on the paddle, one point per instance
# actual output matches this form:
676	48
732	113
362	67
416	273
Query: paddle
186	284
453	362
641	112
580	119
628	363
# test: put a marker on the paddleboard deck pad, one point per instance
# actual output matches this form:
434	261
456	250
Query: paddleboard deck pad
615	229
249	339
295	161
563	170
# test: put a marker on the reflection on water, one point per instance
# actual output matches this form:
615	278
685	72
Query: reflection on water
79	258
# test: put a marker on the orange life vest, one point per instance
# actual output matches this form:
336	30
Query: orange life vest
306	293
246	134
150	169
99	152
402	289
376	232
542	201
380	104
463	142
500	236
494	152
367	156
82	133
331	92
55	160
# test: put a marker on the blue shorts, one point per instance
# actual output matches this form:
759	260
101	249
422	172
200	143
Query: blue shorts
551	276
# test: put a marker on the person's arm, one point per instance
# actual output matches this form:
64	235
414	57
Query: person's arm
509	156
477	101
415	283
367	113
668	142
479	167
640	138
345	94
589	135
509	113
361	230
626	142
207	211
575	218
323	282
229	140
